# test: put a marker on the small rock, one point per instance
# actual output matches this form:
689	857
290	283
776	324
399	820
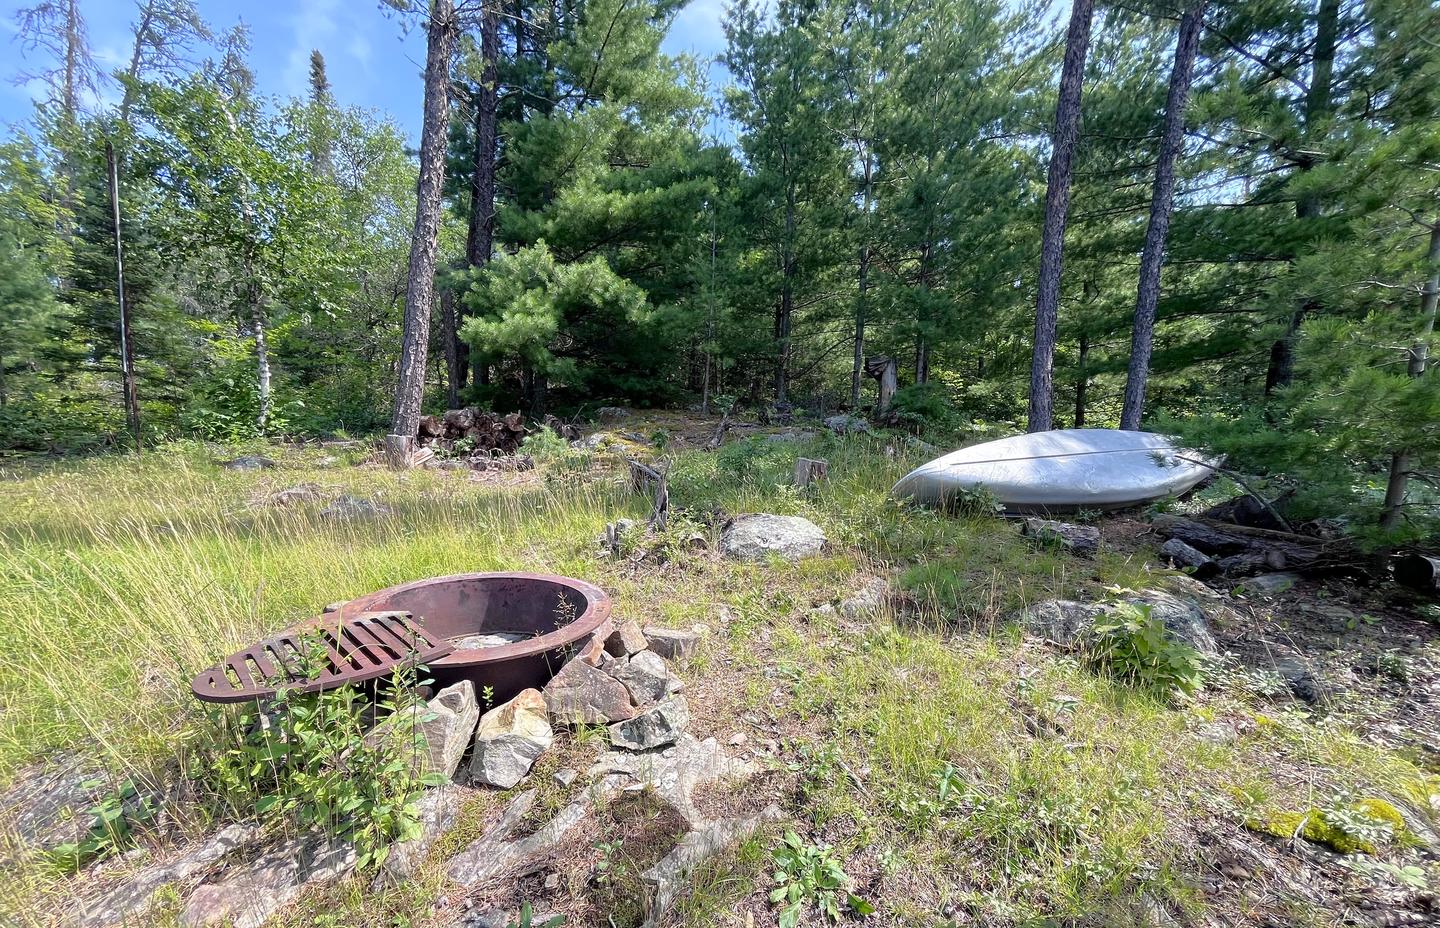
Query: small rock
247	896
673	644
1059	621
335	606
510	737
1178	554
757	536
583	694
611	413
846	424
304	493
1185	618
868	599
1270	584
736	739
1297	676
647	678
626	639
552	882
657	726
564	777
1083	540
447	721
353	507
248	462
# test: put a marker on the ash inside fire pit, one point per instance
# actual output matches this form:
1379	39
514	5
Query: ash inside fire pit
511	631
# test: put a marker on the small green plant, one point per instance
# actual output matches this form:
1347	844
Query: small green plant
1133	645
544	445
605	868
973	501
810	874
313	760
112	828
527	919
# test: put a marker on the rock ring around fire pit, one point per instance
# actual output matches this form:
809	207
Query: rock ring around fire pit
549	615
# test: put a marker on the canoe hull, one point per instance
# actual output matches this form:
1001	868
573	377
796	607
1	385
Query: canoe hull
1063	470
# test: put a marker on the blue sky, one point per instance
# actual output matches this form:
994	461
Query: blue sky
371	60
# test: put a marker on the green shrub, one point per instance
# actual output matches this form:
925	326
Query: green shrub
545	445
1133	645
305	758
810	874
927	408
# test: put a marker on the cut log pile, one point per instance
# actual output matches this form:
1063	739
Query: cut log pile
1207	548
485	430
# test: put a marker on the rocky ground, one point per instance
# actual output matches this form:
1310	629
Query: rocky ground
650	782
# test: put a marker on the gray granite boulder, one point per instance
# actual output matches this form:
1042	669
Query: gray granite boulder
583	694
510	737
657	726
647	678
757	536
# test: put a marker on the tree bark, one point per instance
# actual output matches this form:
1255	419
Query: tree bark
450	344
1162	199
420	287
1402	462
1281	369
480	232
127	347
1082	381
1057	204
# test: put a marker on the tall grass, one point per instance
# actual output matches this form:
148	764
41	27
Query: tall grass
120	579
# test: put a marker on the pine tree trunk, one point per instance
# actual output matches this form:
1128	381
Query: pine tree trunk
1057	204
1082	381
480	233
1402	461
420	287
1281	369
454	363
1162	199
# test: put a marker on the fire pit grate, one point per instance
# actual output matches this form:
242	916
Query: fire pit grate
352	649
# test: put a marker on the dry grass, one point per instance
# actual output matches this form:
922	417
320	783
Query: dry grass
959	770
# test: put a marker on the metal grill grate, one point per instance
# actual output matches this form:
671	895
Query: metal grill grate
334	651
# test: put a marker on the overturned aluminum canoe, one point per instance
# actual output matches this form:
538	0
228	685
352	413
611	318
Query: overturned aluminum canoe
1064	469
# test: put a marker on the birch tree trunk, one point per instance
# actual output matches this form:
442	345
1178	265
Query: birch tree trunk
1162	199
420	287
1057	204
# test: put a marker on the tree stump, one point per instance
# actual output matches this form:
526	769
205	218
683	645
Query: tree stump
398	451
885	371
810	470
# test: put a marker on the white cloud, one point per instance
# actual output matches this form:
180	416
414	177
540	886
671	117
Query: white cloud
360	49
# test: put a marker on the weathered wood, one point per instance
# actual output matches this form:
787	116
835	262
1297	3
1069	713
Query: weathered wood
810	470
1419	572
1181	555
398	450
1197	535
641	477
883	370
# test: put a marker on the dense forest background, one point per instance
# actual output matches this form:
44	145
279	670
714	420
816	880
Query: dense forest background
871	184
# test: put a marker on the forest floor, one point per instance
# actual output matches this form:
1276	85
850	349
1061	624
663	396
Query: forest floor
957	770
